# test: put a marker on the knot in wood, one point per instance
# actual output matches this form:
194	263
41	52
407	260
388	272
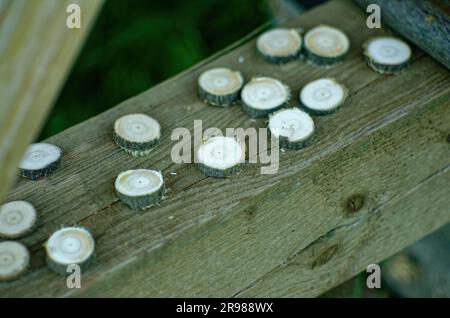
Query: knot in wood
325	256
355	203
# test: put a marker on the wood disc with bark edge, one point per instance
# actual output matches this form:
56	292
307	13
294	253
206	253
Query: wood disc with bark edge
137	134
141	188
67	246
326	45
220	156
264	95
280	45
220	86
17	219
293	128
323	96
14	260
40	160
387	55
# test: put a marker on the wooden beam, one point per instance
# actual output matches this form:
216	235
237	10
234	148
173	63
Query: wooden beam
375	180
37	50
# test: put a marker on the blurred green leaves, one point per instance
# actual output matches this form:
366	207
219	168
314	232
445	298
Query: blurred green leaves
136	44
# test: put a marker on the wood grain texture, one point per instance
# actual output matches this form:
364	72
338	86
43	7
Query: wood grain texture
36	52
293	233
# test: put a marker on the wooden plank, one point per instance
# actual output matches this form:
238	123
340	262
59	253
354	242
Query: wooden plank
37	50
214	237
350	247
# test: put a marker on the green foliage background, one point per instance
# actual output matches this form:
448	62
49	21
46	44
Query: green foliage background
136	44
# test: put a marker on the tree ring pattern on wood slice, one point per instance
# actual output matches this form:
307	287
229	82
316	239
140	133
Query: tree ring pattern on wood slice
137	134
264	95
141	188
40	160
323	96
326	45
387	55
17	218
220	156
280	45
220	86
14	260
67	246
294	128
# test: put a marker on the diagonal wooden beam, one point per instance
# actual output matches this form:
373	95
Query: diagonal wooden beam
37	50
375	180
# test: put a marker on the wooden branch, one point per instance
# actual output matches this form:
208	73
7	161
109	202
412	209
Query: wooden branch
375	180
37	50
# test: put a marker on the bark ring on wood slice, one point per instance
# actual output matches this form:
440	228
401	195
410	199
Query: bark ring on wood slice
40	160
141	188
264	95
220	156
326	45
293	128
14	260
17	218
323	96
137	134
67	246
387	55
280	45
220	86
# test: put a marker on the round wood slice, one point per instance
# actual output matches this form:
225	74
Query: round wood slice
323	96
326	45
14	260
220	86
40	160
141	188
17	218
137	134
69	245
264	95
387	55
220	156
294	128
280	45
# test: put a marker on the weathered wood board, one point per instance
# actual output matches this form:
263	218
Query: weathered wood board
298	232
37	50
